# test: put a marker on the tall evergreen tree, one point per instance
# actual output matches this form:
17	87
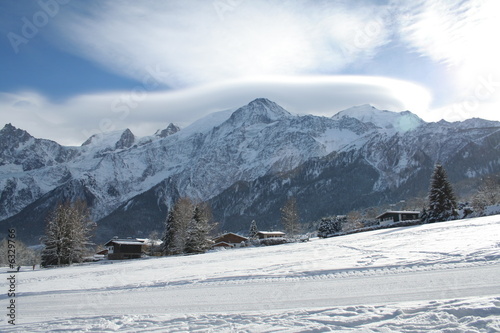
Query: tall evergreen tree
168	234
442	201
252	234
290	218
187	228
67	234
198	229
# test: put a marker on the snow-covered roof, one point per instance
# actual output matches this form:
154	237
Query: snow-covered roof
230	233
271	232
398	212
128	241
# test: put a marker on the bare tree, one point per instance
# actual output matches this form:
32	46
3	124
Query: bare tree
152	243
24	255
182	214
488	194
67	234
290	218
353	221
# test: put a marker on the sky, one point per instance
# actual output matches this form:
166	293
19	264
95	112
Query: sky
70	69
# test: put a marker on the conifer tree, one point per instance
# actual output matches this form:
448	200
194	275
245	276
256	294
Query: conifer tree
198	230
168	234
252	234
442	201
187	228
329	226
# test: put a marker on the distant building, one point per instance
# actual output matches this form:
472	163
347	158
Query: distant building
397	216
229	240
270	234
129	248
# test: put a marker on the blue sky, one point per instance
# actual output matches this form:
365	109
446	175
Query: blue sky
74	68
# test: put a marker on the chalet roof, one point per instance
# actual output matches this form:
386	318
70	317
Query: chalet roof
230	234
271	232
127	241
398	212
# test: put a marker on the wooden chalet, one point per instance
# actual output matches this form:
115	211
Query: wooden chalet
397	216
129	248
229	240
270	234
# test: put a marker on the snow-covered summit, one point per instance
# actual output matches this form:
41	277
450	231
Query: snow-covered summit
102	142
399	121
206	123
260	110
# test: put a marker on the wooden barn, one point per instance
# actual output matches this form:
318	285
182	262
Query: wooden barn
270	234
397	216
229	240
129	248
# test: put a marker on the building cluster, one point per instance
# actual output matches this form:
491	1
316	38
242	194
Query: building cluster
133	248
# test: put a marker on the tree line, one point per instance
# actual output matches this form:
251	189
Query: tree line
441	205
187	228
188	225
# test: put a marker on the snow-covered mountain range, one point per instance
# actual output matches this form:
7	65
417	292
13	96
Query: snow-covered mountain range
246	162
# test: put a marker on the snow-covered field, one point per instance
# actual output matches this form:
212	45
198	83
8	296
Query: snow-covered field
441	277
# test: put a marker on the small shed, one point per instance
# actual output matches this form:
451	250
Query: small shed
229	240
397	216
270	234
129	248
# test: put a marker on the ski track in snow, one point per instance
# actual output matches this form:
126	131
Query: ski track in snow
440	277
465	315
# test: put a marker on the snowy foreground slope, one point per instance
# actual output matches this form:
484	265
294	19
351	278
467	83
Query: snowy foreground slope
441	277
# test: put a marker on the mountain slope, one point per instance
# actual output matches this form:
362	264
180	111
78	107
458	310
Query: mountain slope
359	157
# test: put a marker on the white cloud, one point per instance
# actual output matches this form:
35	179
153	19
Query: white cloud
461	34
222	54
74	120
196	42
456	32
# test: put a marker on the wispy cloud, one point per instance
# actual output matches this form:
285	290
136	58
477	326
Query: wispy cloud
191	41
455	32
461	34
194	57
144	112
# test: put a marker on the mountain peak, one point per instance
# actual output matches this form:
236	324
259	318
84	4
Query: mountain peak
111	140
366	113
260	110
126	140
171	129
11	134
